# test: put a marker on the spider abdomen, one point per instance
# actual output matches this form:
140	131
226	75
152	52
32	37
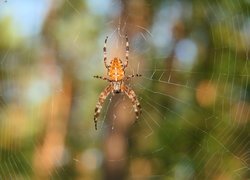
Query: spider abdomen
116	70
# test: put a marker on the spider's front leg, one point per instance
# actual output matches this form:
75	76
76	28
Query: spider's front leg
132	96
100	102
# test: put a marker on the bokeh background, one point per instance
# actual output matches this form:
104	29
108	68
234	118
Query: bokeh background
194	90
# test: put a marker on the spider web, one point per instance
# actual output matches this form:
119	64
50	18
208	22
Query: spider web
194	94
223	125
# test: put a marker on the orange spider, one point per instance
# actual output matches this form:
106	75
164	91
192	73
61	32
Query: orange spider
116	78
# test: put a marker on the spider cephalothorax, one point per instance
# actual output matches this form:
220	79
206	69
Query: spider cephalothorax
116	78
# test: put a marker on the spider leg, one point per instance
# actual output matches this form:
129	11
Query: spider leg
101	77
132	96
104	94
132	75
105	52
127	51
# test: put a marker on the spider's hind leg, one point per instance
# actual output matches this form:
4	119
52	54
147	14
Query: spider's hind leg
132	76
101	77
127	51
105	52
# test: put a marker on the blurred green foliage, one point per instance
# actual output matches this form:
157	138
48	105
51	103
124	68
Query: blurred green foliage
194	92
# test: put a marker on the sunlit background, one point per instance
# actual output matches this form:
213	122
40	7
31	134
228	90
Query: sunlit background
194	90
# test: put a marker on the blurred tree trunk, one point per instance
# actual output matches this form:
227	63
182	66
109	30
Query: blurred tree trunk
56	114
120	117
56	110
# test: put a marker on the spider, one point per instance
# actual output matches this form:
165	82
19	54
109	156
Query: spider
116	78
